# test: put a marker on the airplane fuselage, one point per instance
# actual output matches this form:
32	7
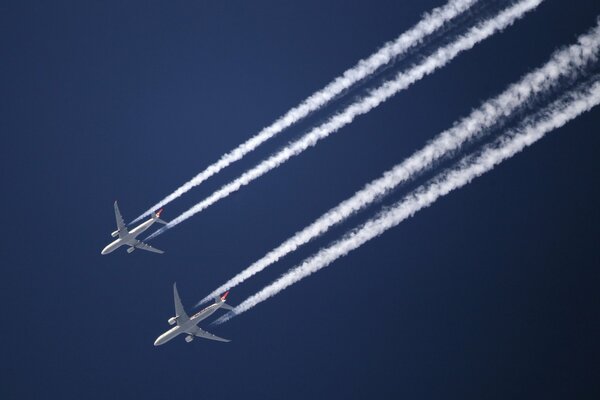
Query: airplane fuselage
189	325
130	238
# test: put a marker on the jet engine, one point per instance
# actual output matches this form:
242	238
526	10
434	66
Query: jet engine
172	320
115	234
130	250
189	338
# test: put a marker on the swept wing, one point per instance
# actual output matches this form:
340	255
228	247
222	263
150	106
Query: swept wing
180	313
121	227
206	335
143	246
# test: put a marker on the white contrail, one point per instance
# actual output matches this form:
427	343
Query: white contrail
429	23
552	117
567	62
402	80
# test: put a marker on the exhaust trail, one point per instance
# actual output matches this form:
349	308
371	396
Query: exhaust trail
377	96
429	23
552	117
567	62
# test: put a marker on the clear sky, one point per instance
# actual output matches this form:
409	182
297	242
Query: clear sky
491	293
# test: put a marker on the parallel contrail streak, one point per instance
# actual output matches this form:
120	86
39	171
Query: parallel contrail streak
552	117
438	59
566	62
414	36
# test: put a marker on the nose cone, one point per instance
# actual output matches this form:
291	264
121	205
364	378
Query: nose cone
160	340
108	249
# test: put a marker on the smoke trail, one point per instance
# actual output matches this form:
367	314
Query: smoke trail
552	117
567	62
414	36
438	59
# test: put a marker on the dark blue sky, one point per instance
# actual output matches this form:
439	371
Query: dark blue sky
491	293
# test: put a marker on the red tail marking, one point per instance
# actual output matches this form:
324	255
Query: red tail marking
224	295
158	212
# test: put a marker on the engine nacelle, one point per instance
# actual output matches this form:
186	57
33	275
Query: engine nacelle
172	320
115	234
189	338
130	250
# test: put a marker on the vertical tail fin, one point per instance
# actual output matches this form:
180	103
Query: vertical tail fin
221	299
156	217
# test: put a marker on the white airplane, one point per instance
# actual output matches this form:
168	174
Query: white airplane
187	324
128	237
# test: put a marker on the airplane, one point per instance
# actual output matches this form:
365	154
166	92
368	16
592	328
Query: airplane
128	237
188	325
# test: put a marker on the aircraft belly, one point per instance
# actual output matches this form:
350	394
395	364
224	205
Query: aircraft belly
140	229
210	312
168	335
190	325
202	315
113	246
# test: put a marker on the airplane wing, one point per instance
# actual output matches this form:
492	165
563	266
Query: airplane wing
180	313
143	246
121	227
207	335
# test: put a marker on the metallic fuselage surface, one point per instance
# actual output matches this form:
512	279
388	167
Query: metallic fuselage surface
193	321
128	239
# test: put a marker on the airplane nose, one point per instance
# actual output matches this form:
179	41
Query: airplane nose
106	250
157	342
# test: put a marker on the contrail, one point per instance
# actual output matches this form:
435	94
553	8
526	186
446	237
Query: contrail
429	23
552	117
567	62
402	80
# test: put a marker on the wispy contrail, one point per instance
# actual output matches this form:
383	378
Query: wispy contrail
429	23
567	62
402	80
554	116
